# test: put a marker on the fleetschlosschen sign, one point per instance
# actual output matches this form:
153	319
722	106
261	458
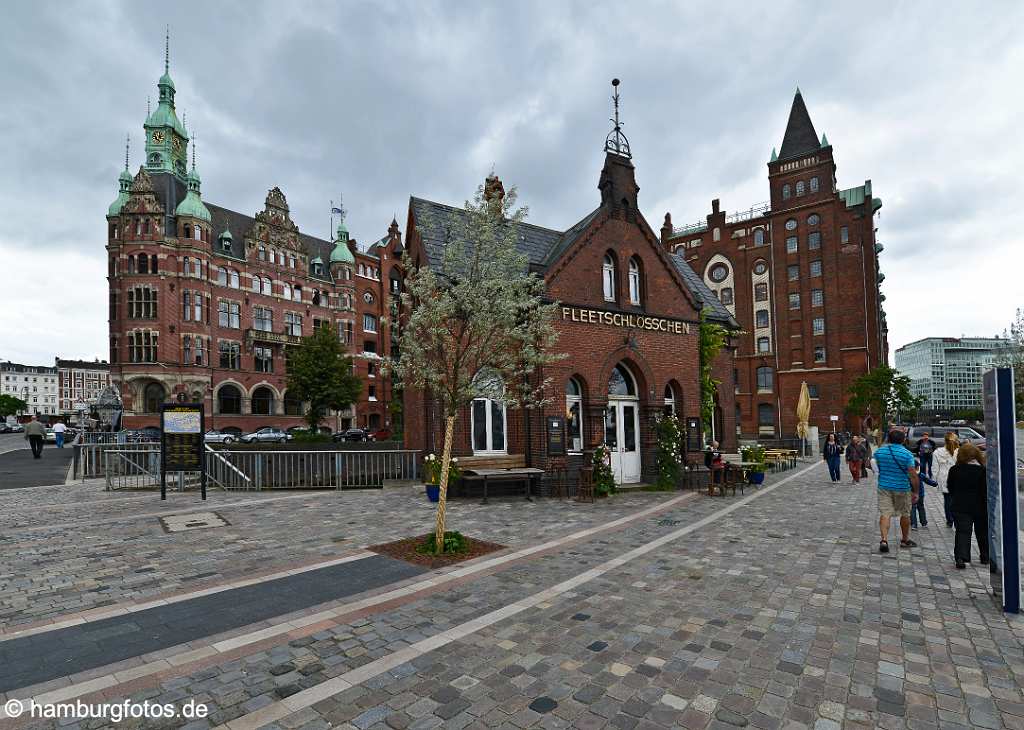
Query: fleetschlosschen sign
624	320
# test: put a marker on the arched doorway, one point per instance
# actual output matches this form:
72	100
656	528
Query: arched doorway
262	402
229	400
153	396
622	425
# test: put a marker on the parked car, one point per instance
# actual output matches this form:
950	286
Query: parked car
51	436
17	428
353	434
213	436
938	435
267	434
4	428
383	434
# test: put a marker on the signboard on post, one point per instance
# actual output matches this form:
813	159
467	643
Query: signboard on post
556	436
182	448
693	434
1003	505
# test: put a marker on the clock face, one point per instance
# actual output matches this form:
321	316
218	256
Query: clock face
158	137
368	298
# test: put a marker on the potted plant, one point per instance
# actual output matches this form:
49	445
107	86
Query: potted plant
432	475
603	477
755	456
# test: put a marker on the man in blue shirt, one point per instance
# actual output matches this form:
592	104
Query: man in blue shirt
897	483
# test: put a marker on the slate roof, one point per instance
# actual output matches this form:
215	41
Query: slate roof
716	311
170	191
800	138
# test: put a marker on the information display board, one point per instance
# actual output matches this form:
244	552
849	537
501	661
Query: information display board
1003	504
556	436
182	445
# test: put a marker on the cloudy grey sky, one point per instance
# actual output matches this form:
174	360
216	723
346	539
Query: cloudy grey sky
380	100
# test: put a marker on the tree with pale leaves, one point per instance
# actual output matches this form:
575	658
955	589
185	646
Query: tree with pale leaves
475	322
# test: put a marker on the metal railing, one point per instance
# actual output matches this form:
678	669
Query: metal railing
138	467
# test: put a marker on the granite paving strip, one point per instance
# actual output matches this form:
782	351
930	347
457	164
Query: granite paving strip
403	592
46	656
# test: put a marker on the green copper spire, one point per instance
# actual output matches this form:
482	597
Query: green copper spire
774	156
124	184
341	253
824	140
192	206
166	137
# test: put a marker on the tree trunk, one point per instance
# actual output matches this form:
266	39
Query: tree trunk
446	458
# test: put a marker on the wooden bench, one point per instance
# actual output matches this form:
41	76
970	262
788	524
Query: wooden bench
499	468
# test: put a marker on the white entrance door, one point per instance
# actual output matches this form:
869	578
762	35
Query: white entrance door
622	436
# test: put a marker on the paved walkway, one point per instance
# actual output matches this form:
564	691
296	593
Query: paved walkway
18	469
646	610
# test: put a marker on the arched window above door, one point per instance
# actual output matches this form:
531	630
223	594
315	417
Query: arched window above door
621	382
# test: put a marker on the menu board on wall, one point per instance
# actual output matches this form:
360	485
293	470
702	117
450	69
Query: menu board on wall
556	435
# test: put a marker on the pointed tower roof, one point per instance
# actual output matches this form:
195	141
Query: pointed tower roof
800	138
124	184
192	206
774	156
824	140
342	254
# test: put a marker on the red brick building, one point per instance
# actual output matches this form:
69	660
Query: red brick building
628	320
800	274
205	302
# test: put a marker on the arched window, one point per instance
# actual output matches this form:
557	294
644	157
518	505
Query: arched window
621	382
297	293
316	296
800	187
229	400
764	344
487	414
267	287
199	233
608	277
292	405
785	192
671	400
814	184
186	230
574	415
154	267
634	281
287	291
222	275
233	279
262	403
765	378
153	396
255	284
716	234
143	263
261	252
759	237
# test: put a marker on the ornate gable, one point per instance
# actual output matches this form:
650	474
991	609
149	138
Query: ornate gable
274	224
142	198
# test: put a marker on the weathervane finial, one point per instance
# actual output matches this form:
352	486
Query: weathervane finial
127	144
616	141
167	50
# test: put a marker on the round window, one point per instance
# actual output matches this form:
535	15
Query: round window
368	298
813	219
791	224
719	272
760	267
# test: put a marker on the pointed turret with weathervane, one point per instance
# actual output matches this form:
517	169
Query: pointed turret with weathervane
166	138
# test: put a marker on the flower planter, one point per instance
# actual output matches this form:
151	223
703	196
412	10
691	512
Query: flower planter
433	493
756	477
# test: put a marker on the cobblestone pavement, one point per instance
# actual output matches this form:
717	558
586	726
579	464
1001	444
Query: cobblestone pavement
773	611
76	547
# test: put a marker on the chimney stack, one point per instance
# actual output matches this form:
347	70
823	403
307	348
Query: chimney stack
493	187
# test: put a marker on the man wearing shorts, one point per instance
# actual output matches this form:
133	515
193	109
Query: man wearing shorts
897	483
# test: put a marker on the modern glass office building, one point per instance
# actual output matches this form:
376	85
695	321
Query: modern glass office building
946	371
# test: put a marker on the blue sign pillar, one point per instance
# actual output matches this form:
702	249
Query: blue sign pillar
1003	505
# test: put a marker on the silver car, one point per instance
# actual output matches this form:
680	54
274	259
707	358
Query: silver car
213	436
966	434
267	434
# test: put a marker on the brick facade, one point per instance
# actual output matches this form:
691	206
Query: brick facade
812	240
656	340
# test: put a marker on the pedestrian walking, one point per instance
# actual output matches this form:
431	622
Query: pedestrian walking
968	489
58	434
714	462
35	434
917	511
945	458
925	449
865	443
832	453
897	486
855	457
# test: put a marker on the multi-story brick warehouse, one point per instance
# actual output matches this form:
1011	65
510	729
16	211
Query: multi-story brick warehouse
628	320
800	273
206	302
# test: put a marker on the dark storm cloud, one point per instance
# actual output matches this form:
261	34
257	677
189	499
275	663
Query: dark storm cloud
382	100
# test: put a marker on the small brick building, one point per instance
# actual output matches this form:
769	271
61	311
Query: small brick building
800	273
628	320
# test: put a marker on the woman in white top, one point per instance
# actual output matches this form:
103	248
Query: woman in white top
945	458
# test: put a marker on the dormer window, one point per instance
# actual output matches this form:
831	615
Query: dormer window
318	269
608	277
225	244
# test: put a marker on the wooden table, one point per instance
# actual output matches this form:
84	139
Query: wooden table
526	475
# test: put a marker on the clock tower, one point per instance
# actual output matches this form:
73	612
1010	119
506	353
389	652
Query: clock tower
166	138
